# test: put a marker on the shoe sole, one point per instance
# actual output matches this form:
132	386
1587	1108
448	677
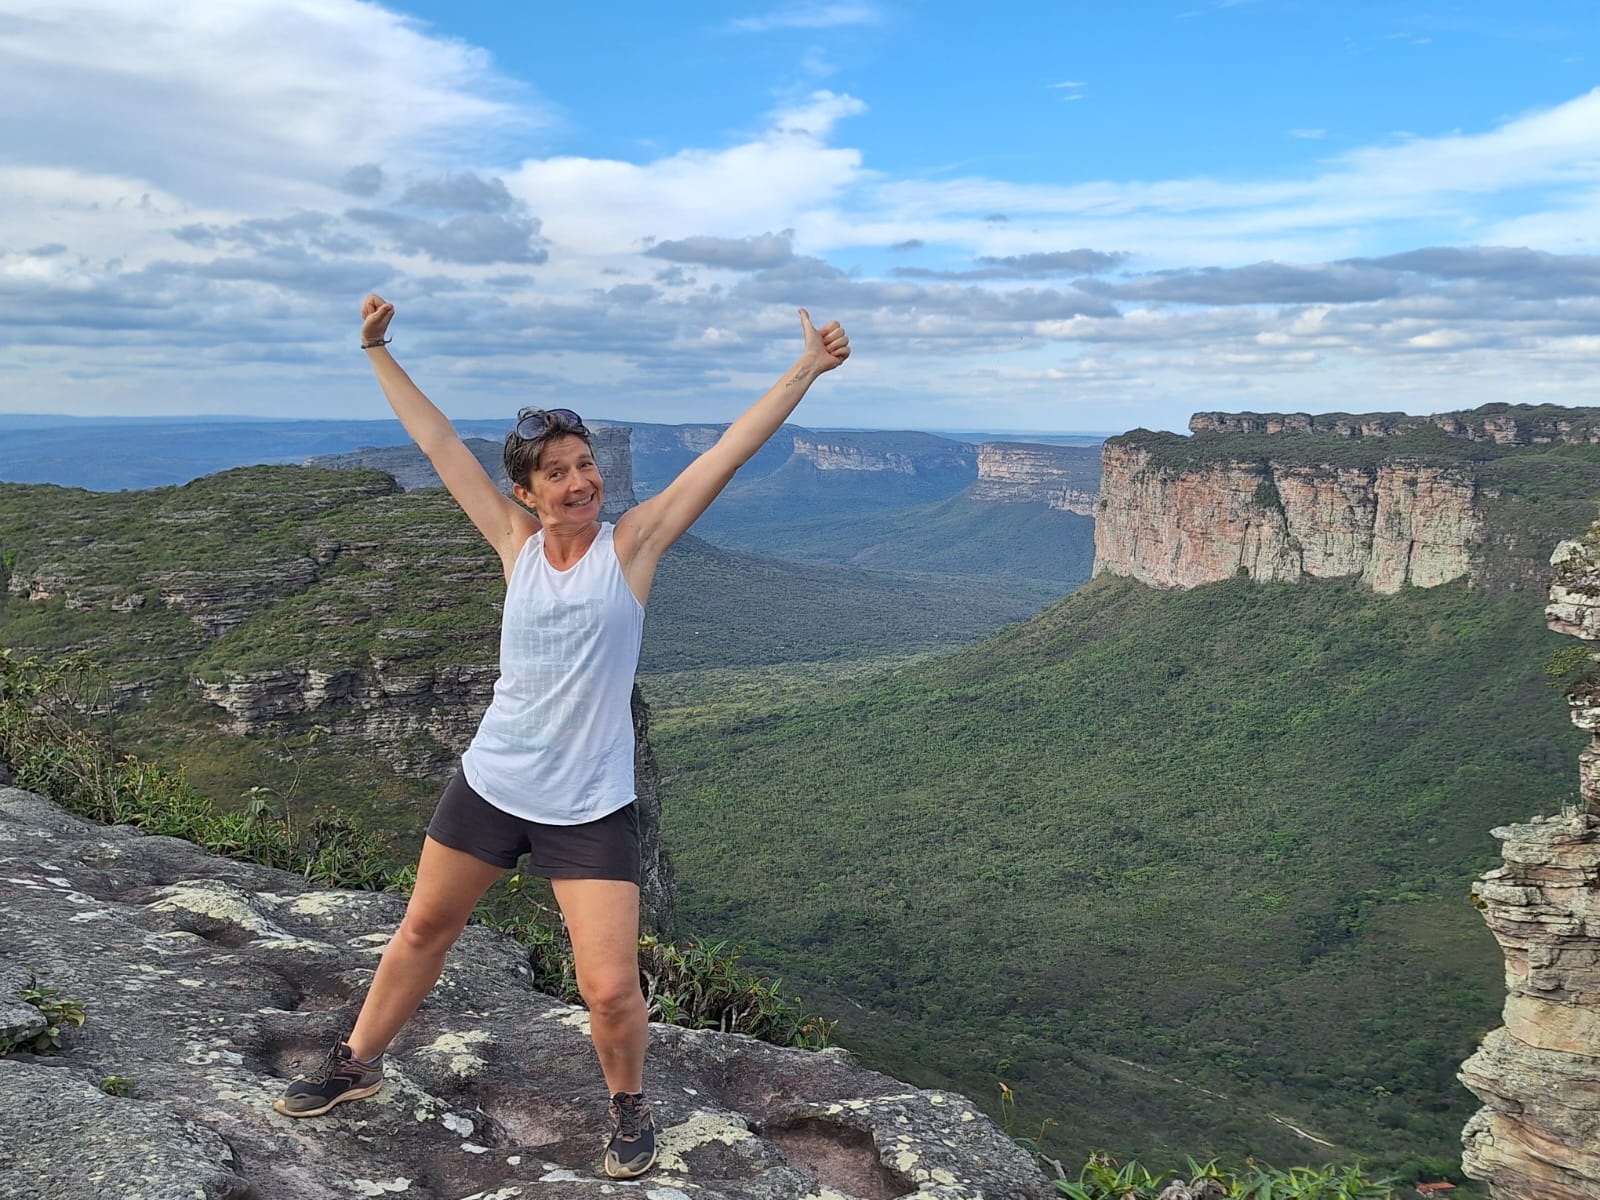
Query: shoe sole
623	1172
358	1094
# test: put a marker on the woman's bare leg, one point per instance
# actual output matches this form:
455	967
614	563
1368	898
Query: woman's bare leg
449	885
602	918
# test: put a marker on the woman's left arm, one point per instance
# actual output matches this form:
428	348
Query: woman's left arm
645	532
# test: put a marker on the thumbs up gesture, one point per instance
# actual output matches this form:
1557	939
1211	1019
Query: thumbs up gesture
827	347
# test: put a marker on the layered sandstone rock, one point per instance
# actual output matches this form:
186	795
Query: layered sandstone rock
1538	1135
1065	478
208	983
1402	522
900	453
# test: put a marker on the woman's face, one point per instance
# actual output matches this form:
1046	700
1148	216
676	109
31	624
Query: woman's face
565	488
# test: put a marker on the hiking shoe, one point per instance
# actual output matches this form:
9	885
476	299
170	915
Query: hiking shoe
342	1076
632	1148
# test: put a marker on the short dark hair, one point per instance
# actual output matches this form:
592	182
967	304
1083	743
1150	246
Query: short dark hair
522	455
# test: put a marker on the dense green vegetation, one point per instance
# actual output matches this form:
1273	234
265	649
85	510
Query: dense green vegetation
1103	1178
1182	868
285	569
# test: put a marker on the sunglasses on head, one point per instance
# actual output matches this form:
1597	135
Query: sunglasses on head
547	420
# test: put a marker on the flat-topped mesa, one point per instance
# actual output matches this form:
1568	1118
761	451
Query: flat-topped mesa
905	453
1387	500
1503	424
1065	478
1180	526
1538	1135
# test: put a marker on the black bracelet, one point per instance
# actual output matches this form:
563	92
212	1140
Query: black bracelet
376	344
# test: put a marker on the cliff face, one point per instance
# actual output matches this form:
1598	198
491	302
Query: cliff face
903	453
208	983
675	439
1391	525
1502	424
1065	478
1538	1135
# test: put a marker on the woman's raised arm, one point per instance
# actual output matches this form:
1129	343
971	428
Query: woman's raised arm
506	524
645	532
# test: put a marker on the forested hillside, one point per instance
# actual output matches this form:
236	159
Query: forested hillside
286	591
1182	869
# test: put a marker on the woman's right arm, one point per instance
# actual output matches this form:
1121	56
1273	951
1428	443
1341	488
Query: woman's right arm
506	524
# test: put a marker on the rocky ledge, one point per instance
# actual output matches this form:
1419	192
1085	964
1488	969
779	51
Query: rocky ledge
1538	1135
208	983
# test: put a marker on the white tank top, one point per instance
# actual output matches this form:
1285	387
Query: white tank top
556	745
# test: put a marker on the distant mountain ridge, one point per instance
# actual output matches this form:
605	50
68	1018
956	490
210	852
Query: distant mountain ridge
1503	424
886	500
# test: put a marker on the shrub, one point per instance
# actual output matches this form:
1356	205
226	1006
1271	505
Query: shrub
45	742
1102	1178
60	1013
699	985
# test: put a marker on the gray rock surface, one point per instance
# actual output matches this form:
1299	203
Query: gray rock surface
209	983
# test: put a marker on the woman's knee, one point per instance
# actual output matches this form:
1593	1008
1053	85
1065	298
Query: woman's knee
612	995
429	932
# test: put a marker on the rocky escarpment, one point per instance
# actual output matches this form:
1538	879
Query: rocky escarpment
1389	525
411	468
1502	424
1065	478
1538	1135
1384	500
682	440
208	983
900	453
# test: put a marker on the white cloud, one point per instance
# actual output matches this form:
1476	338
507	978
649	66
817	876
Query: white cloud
203	191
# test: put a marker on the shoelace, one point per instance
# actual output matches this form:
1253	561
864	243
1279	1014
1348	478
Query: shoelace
330	1065
633	1116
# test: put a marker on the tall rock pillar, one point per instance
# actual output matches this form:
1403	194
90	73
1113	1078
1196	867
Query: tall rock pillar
1538	1135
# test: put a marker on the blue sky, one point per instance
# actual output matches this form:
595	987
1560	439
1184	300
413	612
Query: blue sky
1045	216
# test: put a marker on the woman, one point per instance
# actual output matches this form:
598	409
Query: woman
550	771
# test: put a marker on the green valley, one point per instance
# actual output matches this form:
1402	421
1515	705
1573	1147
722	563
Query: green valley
1185	870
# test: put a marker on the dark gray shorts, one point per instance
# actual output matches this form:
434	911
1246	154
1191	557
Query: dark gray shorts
603	849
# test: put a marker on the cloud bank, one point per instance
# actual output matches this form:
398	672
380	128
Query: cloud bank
195	197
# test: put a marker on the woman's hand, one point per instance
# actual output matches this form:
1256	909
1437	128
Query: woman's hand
825	348
376	313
